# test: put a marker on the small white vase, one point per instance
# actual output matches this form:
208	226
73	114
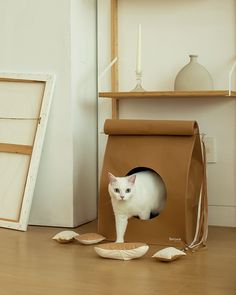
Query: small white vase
193	76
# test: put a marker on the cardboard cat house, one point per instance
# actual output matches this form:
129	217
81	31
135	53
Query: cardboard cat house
173	150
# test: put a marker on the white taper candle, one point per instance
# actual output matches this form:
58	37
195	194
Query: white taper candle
139	51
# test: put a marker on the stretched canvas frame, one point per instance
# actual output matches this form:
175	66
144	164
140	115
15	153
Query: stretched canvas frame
25	101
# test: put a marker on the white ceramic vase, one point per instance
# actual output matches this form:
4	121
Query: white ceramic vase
193	77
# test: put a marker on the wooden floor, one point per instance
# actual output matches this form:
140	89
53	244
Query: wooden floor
32	263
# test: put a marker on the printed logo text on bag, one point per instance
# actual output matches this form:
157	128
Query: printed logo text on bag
175	239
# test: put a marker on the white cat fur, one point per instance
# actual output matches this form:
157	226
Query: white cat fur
136	195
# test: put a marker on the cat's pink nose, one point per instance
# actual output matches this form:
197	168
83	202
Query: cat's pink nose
122	197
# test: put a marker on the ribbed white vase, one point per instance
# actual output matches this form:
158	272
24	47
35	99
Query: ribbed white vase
193	76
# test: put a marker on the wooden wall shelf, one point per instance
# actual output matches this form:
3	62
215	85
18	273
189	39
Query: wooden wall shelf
116	96
169	94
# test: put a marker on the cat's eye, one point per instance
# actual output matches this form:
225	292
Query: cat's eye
116	190
128	190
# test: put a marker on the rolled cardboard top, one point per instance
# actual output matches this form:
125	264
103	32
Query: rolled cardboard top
150	127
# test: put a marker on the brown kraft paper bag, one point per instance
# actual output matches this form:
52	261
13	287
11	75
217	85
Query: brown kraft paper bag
172	149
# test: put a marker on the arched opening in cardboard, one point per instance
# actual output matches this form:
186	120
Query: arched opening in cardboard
159	192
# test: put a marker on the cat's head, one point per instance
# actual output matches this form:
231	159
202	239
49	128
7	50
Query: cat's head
121	188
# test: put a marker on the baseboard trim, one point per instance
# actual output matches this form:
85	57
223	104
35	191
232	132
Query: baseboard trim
222	215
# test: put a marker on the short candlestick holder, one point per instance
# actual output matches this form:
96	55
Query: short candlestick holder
138	87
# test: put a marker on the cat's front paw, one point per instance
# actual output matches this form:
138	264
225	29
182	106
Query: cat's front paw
119	241
145	215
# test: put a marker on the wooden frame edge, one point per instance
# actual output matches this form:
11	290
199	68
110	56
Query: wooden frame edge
114	53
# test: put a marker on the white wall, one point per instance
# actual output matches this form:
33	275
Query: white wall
84	108
171	30
38	36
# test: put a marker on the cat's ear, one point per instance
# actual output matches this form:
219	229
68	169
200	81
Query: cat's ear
131	179
111	177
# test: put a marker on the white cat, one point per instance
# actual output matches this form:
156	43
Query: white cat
139	194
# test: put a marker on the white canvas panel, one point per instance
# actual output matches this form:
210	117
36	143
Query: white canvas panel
20	110
18	131
20	99
25	101
13	173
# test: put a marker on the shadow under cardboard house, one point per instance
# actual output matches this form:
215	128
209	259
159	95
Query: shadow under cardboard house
173	150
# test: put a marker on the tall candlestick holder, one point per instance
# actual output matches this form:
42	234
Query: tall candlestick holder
138	87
